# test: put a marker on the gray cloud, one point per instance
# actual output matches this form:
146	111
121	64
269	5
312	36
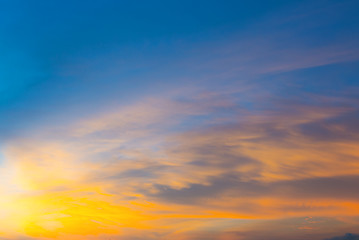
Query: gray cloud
218	185
342	127
348	236
342	187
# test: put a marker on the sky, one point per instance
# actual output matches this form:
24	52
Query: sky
181	120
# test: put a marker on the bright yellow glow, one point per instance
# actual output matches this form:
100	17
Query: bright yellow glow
54	189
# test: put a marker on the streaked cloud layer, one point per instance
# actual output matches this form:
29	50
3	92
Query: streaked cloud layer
221	121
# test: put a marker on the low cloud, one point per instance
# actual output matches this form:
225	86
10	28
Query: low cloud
348	236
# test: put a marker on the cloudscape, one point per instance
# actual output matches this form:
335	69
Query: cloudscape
181	120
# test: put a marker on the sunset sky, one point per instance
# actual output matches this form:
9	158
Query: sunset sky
179	120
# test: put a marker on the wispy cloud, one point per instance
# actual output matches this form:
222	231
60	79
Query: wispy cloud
152	161
252	135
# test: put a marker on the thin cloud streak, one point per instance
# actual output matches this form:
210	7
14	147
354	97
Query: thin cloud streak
252	135
263	166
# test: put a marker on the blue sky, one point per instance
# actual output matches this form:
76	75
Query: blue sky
197	101
63	52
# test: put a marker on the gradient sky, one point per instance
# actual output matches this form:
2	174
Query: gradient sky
181	120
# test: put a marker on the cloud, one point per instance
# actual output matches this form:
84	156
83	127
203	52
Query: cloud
150	163
348	236
311	188
339	128
239	138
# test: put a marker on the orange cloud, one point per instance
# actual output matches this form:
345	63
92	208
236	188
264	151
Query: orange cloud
140	172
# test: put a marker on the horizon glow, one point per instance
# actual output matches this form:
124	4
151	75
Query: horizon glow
181	120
